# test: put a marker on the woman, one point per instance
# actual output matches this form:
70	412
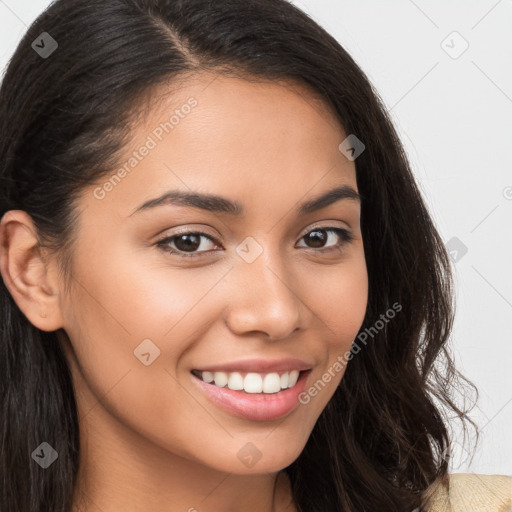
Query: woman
287	360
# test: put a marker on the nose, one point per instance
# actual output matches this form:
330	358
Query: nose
263	299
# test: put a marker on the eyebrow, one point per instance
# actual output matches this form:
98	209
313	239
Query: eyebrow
218	204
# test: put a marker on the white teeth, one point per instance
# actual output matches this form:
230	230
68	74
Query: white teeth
220	378
252	382
294	375
235	381
271	383
208	376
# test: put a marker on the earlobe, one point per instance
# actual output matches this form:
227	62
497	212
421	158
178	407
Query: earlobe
26	273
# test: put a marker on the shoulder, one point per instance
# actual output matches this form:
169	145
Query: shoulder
469	492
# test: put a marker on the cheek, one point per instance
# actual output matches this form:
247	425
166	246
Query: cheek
339	299
133	311
339	302
130	308
142	296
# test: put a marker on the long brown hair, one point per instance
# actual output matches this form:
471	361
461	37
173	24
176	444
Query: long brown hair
382	442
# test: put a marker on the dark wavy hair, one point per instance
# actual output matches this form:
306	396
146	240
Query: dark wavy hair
383	441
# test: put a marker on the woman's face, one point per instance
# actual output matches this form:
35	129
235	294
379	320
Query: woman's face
272	290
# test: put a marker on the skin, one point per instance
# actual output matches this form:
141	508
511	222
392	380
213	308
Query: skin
151	440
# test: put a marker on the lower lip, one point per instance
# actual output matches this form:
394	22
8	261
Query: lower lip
255	406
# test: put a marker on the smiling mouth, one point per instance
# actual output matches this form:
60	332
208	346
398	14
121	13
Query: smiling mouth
251	382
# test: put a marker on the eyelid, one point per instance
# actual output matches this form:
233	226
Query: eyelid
166	240
345	234
324	224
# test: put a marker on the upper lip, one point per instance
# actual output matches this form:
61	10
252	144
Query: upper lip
259	366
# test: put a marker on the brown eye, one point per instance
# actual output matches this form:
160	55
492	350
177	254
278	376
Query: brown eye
318	237
189	242
185	244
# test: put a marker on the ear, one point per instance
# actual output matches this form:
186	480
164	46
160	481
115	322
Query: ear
31	280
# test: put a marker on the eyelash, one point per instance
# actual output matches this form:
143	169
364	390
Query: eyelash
345	235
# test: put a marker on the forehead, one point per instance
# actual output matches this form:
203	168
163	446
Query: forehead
228	103
226	135
235	87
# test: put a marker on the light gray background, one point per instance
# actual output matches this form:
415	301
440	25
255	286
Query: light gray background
453	110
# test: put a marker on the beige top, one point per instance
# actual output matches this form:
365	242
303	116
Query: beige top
474	493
